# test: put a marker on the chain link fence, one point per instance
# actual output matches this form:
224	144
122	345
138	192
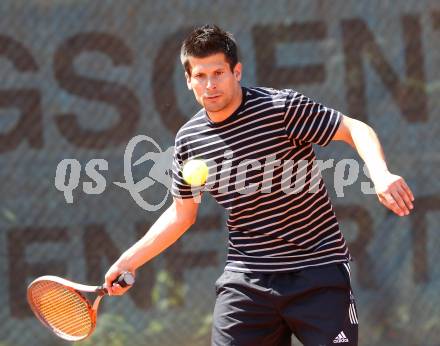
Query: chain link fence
81	79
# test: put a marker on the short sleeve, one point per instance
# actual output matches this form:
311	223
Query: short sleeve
179	188
309	121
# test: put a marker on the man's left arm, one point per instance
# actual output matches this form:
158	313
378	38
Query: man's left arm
391	189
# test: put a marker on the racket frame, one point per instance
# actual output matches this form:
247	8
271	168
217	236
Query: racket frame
77	289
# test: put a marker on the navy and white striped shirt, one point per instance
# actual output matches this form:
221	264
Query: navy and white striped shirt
262	169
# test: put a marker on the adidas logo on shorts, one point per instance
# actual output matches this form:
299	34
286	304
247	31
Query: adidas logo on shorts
340	338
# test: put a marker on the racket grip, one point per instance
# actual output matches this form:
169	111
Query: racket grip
125	279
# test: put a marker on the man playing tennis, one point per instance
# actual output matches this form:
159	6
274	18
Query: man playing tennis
287	266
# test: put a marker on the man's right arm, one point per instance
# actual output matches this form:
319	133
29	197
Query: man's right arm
165	231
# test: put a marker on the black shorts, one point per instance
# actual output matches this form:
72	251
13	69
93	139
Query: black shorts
258	309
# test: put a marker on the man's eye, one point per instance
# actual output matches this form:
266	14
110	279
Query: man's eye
219	73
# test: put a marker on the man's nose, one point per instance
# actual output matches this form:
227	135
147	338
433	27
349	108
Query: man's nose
210	83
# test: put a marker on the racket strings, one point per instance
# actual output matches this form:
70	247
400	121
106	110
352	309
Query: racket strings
65	310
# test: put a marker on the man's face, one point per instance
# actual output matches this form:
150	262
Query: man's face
215	86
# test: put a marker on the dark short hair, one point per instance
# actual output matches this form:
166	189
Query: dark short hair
208	40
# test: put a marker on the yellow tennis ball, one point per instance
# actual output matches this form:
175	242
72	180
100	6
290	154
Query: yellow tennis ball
195	172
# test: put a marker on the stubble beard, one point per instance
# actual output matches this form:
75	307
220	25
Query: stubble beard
217	107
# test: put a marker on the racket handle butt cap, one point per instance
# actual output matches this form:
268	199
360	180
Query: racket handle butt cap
125	279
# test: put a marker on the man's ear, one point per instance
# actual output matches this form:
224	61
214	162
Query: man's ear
237	71
188	80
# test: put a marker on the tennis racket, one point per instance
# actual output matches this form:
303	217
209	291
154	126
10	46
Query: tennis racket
62	307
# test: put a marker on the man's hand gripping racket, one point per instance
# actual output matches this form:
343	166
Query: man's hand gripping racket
61	306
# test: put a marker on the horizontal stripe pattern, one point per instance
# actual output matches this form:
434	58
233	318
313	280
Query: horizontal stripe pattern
275	223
